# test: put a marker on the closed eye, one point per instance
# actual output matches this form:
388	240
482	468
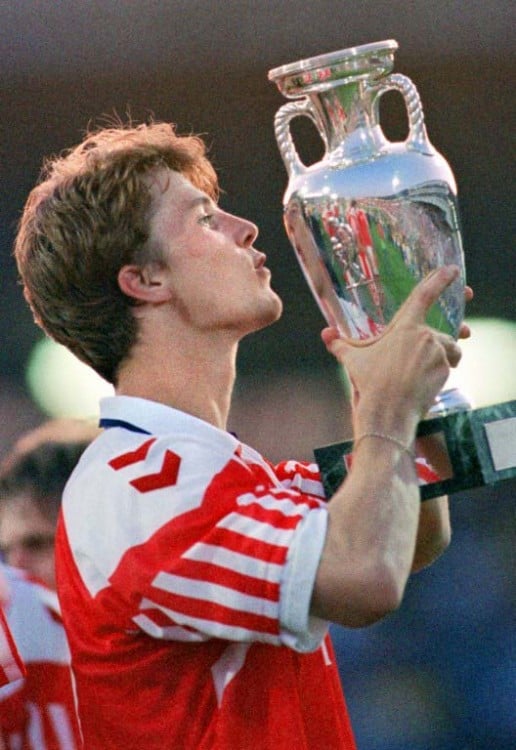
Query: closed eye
205	210
208	220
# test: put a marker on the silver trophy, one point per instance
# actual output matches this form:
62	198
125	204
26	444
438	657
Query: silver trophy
372	217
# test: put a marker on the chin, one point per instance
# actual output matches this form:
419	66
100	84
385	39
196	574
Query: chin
273	307
272	314
265	316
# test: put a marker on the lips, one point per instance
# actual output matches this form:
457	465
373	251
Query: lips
259	259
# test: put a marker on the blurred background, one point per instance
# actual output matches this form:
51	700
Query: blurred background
440	673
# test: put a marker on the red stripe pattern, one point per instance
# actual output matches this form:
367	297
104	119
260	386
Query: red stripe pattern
180	591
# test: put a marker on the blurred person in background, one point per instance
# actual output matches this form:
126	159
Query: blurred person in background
12	667
197	580
37	712
32	479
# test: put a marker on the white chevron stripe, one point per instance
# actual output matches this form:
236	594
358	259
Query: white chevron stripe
256	529
226	558
167	632
214	629
269	502
307	486
228	666
212	592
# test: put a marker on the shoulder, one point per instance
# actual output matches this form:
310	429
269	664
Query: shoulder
129	487
123	467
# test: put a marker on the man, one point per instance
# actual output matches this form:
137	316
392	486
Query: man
197	580
38	711
12	667
32	479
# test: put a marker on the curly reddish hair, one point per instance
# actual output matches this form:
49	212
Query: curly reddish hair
86	218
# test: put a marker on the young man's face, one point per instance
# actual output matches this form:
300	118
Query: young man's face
219	280
27	538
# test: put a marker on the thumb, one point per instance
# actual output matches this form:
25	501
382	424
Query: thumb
424	294
333	340
329	334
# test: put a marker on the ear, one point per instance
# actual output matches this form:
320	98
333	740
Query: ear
145	283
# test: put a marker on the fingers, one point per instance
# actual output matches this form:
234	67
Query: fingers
329	334
464	331
335	344
413	311
451	349
423	296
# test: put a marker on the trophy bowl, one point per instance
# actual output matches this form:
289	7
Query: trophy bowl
372	217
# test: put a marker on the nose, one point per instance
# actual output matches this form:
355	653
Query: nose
246	231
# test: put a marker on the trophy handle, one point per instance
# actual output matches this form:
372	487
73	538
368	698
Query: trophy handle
417	138
286	146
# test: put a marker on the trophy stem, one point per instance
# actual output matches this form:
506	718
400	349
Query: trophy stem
449	401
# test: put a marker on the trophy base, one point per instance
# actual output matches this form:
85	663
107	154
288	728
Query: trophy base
481	446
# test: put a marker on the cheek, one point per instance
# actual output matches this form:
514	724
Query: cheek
207	273
198	252
196	245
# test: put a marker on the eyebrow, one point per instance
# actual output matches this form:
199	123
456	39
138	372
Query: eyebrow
202	200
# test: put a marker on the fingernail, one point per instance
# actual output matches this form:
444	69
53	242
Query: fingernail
452	271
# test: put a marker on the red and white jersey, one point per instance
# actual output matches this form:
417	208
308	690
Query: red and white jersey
37	712
185	569
12	667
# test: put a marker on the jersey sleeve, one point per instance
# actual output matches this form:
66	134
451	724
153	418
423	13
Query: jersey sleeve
200	543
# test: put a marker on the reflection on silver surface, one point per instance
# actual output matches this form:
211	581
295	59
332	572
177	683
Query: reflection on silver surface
373	217
362	257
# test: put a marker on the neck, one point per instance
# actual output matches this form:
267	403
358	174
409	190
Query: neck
195	376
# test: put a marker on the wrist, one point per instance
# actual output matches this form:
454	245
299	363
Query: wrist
407	448
399	425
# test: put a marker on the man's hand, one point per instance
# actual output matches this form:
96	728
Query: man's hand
397	376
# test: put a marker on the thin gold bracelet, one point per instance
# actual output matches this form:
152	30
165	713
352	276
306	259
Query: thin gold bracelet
390	438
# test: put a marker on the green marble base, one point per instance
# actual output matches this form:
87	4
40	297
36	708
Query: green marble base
481	445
